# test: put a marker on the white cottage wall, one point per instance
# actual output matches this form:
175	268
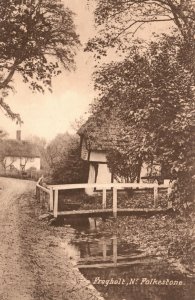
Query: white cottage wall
98	156
34	163
16	162
102	174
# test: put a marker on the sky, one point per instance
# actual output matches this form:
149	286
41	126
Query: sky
53	113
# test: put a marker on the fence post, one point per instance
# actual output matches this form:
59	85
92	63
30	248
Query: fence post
169	204
114	250
104	199
114	202
51	199
104	248
155	195
38	194
55	213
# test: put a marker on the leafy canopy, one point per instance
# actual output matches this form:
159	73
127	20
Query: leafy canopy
37	39
118	19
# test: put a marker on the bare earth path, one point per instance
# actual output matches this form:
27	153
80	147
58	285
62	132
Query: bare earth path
33	261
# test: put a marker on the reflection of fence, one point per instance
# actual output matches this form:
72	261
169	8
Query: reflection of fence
108	260
53	191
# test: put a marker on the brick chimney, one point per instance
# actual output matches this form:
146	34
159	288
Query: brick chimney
18	135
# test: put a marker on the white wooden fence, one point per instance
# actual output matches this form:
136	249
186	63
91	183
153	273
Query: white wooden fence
53	191
42	191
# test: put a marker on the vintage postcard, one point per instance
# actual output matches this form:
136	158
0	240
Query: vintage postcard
97	149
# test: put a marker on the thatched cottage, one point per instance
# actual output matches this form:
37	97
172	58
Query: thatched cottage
96	140
19	155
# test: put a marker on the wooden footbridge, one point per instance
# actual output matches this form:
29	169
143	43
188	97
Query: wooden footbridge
51	192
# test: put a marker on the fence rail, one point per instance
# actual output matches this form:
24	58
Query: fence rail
107	186
53	191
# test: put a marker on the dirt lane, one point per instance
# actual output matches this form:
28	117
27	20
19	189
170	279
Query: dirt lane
33	260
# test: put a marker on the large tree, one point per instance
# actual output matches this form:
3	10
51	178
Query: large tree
118	23
152	88
152	93
37	39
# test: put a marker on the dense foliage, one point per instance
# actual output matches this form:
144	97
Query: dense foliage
152	93
37	39
151	88
65	164
40	144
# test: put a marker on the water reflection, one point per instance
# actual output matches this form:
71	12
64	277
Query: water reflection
94	250
104	252
108	262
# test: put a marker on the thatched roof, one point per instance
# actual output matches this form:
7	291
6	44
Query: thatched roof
101	135
16	148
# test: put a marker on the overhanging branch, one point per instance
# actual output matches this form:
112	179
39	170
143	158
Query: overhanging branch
140	22
7	110
6	81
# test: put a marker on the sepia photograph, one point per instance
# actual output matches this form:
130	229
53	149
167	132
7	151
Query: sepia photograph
97	149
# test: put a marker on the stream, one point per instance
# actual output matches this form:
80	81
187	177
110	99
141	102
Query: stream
120	270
